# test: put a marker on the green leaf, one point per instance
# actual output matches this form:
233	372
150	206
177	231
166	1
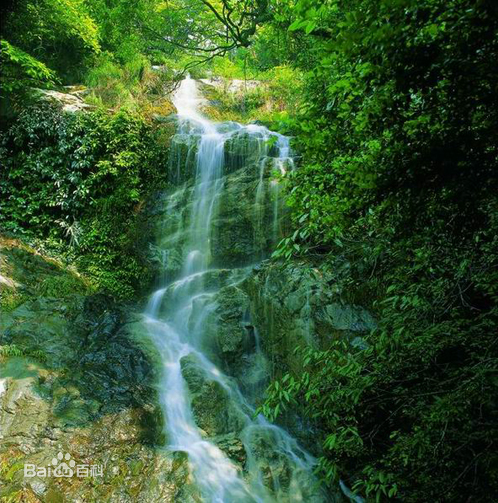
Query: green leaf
310	26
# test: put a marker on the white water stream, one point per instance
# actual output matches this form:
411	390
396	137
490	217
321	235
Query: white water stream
175	319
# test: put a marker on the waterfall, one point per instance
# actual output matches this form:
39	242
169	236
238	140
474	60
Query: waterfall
179	312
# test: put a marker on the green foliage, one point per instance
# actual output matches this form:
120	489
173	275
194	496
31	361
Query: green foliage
61	286
377	116
11	350
132	84
122	75
78	180
59	33
397	134
227	68
10	299
268	98
20	70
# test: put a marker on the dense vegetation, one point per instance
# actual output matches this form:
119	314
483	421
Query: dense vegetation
398	137
73	184
76	181
393	105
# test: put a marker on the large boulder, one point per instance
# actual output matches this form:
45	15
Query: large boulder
297	304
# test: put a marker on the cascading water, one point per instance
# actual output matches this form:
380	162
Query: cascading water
178	314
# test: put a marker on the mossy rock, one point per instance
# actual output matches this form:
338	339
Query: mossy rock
213	409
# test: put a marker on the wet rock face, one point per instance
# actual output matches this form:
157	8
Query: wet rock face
92	365
243	149
240	150
296	304
182	159
229	332
213	410
248	215
252	234
231	340
83	384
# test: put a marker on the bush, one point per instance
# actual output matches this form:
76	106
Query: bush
77	181
398	176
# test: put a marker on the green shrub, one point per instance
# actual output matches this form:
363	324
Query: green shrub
10	299
76	181
398	141
61	286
